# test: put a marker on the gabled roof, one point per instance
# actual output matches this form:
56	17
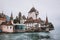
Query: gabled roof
6	23
33	10
3	23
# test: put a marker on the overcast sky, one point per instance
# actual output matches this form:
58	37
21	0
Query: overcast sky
51	7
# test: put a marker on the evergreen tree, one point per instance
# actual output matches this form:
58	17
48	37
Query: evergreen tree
19	16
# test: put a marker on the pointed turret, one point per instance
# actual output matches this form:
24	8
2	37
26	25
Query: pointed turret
46	20
11	18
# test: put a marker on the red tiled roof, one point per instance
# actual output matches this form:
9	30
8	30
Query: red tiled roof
32	21
2	18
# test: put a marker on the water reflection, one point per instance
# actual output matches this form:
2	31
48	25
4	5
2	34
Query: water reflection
38	36
34	36
26	36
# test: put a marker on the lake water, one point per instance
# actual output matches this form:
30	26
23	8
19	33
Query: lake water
52	35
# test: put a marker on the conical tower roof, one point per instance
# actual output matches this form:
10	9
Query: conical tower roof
11	17
46	20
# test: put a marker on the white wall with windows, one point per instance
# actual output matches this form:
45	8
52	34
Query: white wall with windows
6	28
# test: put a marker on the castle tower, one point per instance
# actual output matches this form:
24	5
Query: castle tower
11	18
33	13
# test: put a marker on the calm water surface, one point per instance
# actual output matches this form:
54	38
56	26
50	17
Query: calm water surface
53	35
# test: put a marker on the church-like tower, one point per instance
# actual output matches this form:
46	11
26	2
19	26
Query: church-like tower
33	13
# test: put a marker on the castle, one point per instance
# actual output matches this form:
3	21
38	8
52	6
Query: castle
32	21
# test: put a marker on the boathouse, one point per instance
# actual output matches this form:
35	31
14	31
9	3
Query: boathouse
19	27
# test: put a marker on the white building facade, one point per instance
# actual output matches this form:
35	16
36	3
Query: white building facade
7	28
